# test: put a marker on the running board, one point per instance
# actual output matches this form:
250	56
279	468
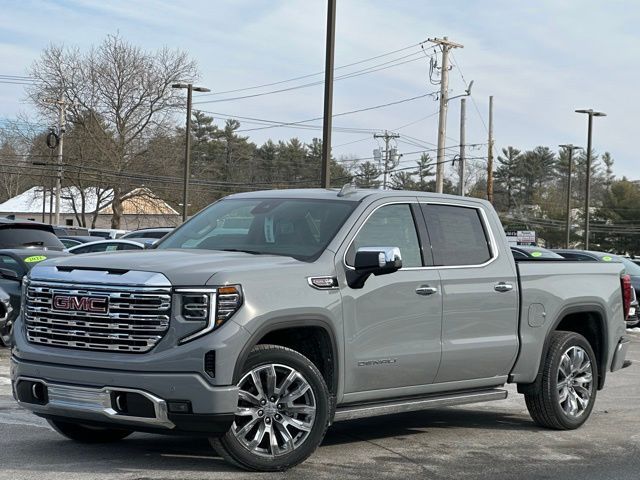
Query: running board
352	412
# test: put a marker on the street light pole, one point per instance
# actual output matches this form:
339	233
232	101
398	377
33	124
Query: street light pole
325	174
570	148
587	197
187	149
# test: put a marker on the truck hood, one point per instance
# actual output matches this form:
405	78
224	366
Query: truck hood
182	267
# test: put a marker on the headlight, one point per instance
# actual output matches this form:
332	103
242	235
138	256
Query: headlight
210	306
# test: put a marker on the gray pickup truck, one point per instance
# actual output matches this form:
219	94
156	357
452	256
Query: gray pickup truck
270	315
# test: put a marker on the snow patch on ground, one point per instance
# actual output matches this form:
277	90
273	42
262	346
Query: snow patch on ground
633	330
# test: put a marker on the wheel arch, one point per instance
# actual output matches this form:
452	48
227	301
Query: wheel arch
569	319
298	323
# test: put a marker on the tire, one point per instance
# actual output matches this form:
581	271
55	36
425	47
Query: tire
87	434
569	372
303	416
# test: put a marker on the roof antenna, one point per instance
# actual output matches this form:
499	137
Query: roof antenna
347	189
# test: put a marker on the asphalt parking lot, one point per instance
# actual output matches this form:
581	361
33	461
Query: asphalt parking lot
494	440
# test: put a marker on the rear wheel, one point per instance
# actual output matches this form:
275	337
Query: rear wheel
283	411
88	434
568	388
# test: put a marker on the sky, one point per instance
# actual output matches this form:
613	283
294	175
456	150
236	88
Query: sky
540	60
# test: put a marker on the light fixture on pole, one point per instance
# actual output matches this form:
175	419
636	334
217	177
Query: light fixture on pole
569	148
591	113
187	150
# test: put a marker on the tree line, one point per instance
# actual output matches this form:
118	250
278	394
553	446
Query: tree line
123	131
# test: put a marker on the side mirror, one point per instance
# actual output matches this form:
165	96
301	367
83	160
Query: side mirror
373	261
9	274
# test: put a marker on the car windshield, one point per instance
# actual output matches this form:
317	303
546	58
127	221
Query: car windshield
298	228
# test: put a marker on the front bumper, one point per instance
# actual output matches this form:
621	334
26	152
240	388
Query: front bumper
132	400
620	354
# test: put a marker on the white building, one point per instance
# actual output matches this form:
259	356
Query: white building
141	208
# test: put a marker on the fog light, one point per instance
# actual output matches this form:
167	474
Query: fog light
176	406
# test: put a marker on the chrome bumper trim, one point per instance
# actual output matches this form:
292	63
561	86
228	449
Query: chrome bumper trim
73	398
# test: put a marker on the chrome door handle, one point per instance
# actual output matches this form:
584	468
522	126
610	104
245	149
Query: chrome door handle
503	287
426	290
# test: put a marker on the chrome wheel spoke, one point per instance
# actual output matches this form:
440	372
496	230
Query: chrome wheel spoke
582	379
299	424
288	439
257	438
257	381
297	393
586	367
563	395
249	397
271	380
246	412
248	427
301	409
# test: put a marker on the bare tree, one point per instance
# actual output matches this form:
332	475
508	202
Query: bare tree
121	88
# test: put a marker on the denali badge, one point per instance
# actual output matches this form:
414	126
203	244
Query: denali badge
81	304
382	361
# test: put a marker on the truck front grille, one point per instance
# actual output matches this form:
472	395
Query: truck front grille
106	318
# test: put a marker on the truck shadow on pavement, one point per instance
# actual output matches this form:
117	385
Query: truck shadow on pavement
145	453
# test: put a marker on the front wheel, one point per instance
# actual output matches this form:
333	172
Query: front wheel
88	434
283	411
568	388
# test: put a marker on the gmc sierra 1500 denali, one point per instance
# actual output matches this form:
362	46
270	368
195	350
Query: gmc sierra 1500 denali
270	315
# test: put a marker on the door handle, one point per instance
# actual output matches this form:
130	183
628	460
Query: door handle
426	290
503	287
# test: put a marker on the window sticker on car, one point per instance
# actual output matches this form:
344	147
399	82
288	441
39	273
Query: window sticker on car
607	258
269	237
536	254
35	259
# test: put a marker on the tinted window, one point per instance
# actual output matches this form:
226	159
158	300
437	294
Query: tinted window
295	227
390	226
457	235
517	254
11	237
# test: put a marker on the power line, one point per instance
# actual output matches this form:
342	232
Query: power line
302	77
455	62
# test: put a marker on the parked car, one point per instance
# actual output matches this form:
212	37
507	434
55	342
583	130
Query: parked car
630	267
147	233
106	232
25	234
14	264
72	241
106	246
329	306
523	251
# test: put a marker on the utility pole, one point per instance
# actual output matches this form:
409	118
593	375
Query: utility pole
463	121
62	115
187	147
490	154
587	196
569	148
325	180
445	45
387	153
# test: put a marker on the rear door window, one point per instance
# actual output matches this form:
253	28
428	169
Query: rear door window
457	235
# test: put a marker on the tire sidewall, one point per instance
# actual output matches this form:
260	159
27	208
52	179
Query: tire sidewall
314	378
571	341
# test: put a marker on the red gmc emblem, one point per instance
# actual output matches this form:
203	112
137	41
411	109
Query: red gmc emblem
81	304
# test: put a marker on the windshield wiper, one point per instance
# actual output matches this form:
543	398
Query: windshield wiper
252	252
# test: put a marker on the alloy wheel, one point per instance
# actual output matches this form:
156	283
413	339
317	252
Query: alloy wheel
575	381
276	410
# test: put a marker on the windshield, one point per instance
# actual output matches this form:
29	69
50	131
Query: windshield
298	228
